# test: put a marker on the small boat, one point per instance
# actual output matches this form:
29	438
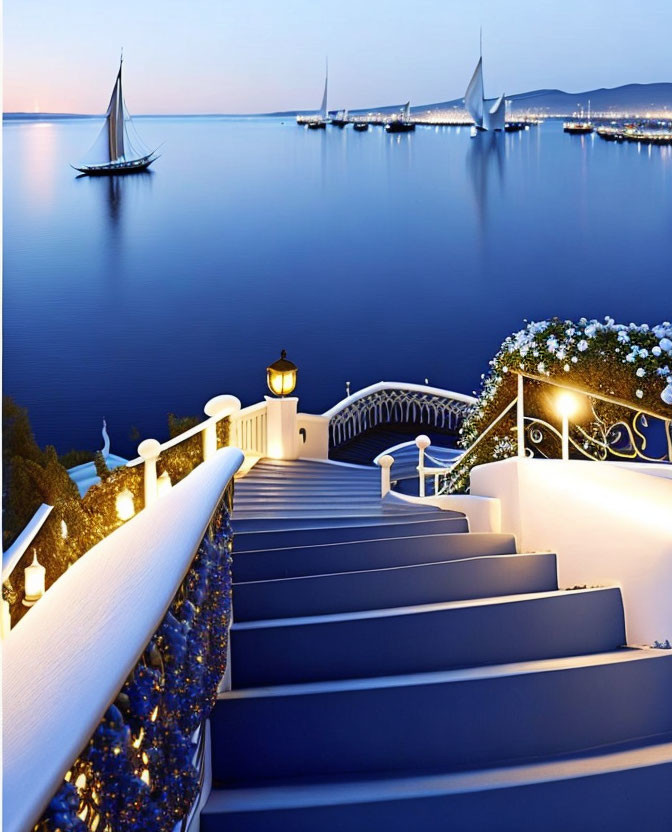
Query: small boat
341	119
320	120
580	124
515	126
401	123
360	126
121	155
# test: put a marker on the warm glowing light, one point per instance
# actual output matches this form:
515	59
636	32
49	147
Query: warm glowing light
145	776
566	404
163	484
80	782
64	530
154	714
34	581
124	505
137	742
281	376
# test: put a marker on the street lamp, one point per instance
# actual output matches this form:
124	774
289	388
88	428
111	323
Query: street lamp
281	376
566	405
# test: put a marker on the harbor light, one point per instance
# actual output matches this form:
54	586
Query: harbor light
34	581
566	404
281	376
124	505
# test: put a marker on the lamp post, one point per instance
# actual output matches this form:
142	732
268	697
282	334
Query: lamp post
566	405
282	435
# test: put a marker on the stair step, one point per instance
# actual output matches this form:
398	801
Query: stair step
350	556
373	528
424	583
426	638
589	792
459	719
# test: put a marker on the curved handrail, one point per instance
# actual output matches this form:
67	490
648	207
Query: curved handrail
397	385
16	551
66	661
211	421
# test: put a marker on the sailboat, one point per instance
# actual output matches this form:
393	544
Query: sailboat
401	123
318	121
341	119
487	113
114	151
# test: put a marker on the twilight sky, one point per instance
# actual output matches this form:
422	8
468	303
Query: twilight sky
204	56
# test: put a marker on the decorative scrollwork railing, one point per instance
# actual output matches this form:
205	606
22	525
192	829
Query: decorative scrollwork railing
604	428
142	766
393	402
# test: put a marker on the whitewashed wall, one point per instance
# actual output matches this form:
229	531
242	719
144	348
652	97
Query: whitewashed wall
607	523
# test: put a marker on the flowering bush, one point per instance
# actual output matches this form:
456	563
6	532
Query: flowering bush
632	363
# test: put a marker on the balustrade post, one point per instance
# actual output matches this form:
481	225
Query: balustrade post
217	406
385	463
422	442
150	450
520	418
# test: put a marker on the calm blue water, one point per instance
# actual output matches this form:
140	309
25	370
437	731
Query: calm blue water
365	256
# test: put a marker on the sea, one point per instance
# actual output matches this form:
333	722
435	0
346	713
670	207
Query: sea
366	256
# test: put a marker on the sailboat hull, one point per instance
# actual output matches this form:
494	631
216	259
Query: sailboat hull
400	127
117	168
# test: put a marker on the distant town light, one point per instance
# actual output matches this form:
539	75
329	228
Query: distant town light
281	376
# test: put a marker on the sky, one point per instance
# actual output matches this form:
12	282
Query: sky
247	56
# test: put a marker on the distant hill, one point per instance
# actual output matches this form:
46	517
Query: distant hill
633	99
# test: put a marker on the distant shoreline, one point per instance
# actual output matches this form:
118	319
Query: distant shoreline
629	99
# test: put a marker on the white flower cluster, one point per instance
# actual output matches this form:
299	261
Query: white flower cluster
555	347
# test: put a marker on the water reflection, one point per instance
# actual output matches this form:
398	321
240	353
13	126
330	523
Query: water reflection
112	191
485	165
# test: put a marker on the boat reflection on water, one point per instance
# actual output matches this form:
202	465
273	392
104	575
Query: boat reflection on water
485	166
115	189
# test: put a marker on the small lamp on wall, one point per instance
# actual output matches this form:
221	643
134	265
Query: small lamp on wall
281	376
124	505
34	581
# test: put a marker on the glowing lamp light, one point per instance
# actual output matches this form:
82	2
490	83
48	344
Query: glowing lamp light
163	484
124	505
281	376
566	405
34	581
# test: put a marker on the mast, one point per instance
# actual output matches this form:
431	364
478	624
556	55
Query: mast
323	110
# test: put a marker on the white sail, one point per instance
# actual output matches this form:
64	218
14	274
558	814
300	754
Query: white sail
494	117
115	122
323	108
473	97
407	111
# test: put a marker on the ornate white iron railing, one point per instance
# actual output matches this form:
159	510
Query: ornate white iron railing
396	402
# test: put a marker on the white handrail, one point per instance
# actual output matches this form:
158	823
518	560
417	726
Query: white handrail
230	407
397	385
15	552
66	661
